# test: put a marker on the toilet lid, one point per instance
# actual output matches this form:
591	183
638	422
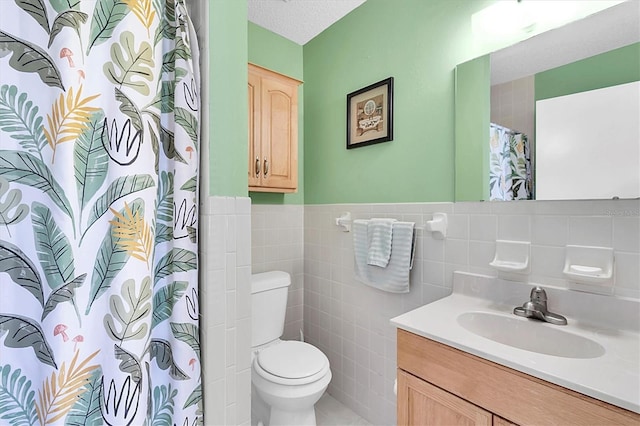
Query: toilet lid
292	360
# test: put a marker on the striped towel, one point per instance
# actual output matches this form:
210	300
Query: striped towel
379	232
395	277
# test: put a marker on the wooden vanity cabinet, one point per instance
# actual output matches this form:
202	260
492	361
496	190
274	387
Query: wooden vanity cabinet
441	385
421	403
273	131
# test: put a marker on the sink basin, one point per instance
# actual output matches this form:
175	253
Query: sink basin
530	335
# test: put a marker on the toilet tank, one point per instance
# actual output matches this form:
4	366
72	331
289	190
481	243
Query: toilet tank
269	292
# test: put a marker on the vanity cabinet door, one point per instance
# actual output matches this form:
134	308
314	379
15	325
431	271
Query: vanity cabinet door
499	421
420	403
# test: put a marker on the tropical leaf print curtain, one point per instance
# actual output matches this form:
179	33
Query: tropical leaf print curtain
510	176
99	113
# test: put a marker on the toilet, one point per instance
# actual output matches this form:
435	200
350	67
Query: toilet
287	377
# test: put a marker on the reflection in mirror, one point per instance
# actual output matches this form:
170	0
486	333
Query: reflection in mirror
514	109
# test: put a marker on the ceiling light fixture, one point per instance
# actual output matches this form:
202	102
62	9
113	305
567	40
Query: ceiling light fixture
507	18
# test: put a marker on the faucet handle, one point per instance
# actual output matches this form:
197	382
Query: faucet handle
538	295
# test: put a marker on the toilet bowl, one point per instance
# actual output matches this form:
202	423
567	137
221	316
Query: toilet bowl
290	377
287	377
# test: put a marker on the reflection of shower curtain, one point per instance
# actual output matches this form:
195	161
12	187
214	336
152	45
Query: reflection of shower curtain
98	213
509	165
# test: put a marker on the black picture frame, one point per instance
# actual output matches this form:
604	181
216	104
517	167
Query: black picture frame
370	114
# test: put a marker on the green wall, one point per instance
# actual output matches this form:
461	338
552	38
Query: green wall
279	54
228	79
615	67
419	43
274	52
472	116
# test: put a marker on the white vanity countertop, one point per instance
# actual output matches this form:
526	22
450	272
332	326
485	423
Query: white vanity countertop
613	377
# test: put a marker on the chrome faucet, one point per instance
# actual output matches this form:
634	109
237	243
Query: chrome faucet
537	308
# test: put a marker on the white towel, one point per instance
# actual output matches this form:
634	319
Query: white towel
379	232
395	277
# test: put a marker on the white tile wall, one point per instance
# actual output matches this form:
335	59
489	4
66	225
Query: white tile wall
225	269
513	105
277	244
350	322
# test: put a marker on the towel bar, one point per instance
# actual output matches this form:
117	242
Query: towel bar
438	225
345	222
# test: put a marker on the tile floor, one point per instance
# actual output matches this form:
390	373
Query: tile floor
330	412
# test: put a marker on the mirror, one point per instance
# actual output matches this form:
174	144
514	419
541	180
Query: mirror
531	91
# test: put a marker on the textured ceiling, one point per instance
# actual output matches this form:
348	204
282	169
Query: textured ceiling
299	20
302	20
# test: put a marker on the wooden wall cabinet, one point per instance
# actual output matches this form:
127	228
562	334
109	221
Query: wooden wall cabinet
273	131
441	385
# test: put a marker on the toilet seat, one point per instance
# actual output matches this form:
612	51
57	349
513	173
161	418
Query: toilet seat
291	363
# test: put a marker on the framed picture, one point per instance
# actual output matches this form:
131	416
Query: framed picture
370	114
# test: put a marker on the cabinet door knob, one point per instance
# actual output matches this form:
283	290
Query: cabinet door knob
257	167
266	167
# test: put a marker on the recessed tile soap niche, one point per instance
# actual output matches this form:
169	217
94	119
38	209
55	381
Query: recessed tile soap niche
512	257
589	268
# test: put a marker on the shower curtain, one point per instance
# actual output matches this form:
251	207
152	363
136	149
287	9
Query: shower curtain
99	113
510	176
